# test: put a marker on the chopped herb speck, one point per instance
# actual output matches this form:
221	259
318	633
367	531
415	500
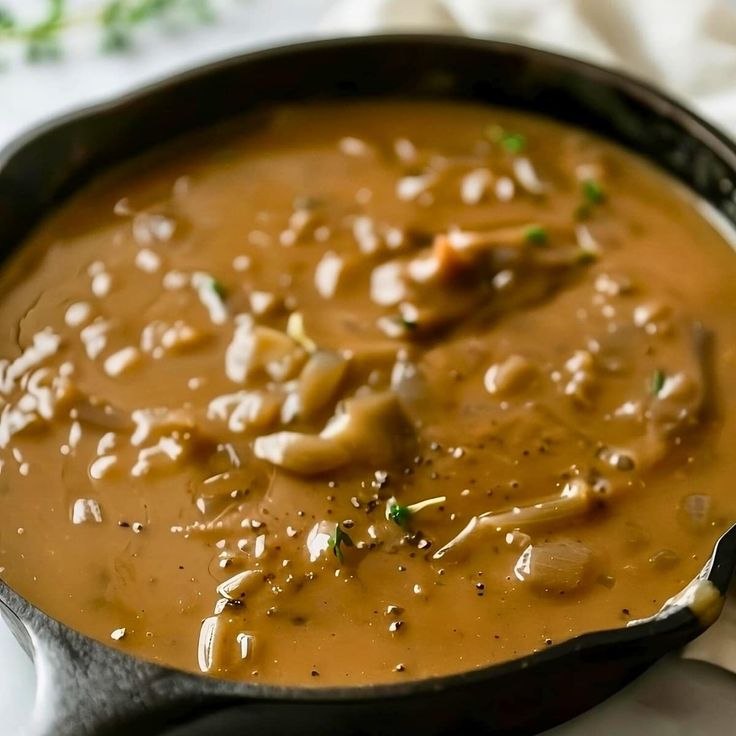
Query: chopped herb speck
336	541
658	379
219	289
593	192
512	142
398	514
536	234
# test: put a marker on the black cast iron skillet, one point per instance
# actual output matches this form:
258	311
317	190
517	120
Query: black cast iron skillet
85	687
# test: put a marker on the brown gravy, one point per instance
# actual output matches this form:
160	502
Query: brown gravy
241	362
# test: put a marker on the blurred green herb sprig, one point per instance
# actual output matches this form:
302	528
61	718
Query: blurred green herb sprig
118	21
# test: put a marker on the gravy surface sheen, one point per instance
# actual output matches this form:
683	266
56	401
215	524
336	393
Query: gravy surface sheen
366	392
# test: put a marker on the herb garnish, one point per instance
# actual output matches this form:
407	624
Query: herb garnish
219	289
6	20
657	382
511	142
593	191
337	539
400	514
120	17
536	234
42	42
118	20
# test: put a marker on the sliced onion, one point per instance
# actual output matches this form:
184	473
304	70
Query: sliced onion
318	382
696	511
558	567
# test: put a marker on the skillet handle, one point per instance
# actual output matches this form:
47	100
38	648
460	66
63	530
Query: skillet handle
84	688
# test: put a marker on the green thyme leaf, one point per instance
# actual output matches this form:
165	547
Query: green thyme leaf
510	142
219	289
593	191
657	382
339	537
536	234
513	142
398	514
118	19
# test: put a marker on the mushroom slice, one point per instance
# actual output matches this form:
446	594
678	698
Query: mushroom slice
317	385
306	454
364	429
370	425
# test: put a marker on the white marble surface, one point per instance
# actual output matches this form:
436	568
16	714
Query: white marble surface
677	697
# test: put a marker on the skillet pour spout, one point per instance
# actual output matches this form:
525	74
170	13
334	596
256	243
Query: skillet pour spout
86	688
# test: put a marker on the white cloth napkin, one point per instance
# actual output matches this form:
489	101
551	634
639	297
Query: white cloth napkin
685	46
